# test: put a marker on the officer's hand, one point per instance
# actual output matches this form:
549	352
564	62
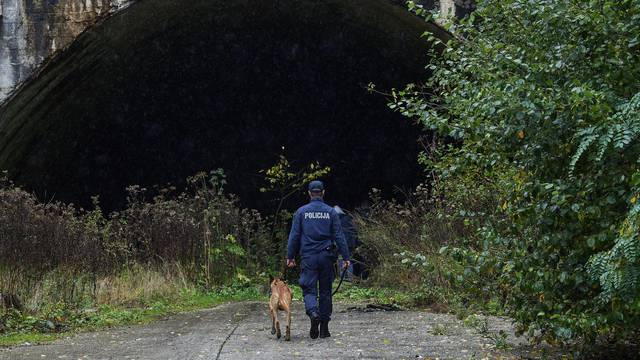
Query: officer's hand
346	264
291	263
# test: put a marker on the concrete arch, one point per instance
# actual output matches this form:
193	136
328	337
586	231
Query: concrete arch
166	88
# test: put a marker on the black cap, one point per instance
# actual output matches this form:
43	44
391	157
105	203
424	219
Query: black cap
316	186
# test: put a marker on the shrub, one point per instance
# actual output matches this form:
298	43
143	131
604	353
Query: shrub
429	244
548	92
201	235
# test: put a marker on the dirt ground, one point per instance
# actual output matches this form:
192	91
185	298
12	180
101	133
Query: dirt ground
242	331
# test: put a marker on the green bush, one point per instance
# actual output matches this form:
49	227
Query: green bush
541	98
428	244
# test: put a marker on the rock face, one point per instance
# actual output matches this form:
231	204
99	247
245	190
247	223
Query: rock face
30	30
166	88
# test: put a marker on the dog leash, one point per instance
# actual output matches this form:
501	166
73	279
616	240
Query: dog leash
344	272
284	273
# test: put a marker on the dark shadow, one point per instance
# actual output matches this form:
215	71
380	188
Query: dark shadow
169	88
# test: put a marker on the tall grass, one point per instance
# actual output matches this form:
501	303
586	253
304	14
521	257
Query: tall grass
391	231
57	253
428	245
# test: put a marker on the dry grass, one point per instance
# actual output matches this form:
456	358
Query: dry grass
135	285
393	234
54	253
139	283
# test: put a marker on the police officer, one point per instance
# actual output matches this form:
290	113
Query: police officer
350	234
314	231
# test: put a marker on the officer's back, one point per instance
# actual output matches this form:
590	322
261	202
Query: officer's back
316	227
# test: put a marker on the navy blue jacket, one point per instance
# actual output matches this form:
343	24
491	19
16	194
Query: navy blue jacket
315	226
349	230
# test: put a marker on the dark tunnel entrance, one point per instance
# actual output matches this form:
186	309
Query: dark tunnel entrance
166	89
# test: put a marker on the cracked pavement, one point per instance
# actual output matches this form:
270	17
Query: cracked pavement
242	331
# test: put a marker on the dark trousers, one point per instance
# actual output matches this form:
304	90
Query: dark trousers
316	279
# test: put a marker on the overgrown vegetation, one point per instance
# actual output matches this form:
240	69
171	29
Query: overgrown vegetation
538	180
530	207
157	255
427	246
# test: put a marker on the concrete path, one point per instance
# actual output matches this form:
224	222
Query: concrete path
242	331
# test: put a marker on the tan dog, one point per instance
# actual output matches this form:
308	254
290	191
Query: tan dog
280	300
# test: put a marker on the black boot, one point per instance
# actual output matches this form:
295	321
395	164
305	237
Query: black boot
315	321
324	329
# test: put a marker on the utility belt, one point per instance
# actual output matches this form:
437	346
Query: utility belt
333	249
